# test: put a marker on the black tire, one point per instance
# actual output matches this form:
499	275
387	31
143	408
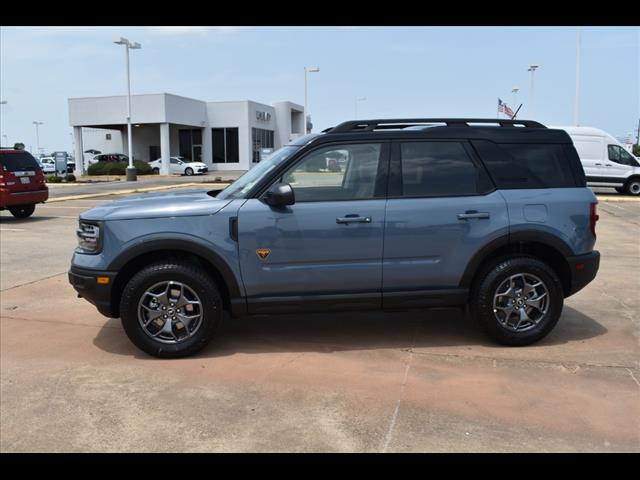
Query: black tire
188	171
156	170
22	211
489	280
197	280
620	189
632	187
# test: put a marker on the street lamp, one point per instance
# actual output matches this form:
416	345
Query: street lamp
532	68
577	106
515	91
131	170
361	99
310	70
3	102
37	135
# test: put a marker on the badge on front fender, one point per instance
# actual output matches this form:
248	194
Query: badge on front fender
263	253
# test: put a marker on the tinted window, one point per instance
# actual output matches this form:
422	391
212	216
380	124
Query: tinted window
439	169
345	172
620	155
526	165
17	162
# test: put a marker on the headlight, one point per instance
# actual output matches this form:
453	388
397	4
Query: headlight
88	237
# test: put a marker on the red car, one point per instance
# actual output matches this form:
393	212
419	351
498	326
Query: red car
21	183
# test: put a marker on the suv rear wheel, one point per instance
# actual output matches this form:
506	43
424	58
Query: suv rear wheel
170	309
22	211
517	300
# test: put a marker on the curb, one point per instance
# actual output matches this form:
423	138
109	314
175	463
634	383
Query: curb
618	199
134	190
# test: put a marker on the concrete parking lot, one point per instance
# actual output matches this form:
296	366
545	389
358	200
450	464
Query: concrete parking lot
70	380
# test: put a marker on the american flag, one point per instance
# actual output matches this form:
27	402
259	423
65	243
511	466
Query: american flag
504	108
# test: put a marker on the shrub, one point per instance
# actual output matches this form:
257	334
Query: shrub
51	178
69	177
142	168
118	168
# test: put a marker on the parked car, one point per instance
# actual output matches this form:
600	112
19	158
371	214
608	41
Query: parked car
605	161
48	165
426	213
22	183
109	157
180	166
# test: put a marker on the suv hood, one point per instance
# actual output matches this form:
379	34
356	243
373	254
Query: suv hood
182	203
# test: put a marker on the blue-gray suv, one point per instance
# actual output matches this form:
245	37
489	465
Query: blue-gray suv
370	214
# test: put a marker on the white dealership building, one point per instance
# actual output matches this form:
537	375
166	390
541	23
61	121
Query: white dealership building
224	135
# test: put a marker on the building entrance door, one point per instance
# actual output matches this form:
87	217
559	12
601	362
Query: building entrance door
196	153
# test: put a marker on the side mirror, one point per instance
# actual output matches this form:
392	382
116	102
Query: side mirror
280	195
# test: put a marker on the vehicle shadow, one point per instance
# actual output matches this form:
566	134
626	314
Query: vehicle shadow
10	219
353	331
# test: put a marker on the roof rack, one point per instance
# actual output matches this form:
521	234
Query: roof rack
396	123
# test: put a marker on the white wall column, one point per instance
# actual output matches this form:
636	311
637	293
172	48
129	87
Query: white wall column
165	148
207	147
79	150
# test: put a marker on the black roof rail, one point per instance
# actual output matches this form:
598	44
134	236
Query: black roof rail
400	123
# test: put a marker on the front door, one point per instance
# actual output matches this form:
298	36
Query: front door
325	251
442	208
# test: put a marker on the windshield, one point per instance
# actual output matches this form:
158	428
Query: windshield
245	183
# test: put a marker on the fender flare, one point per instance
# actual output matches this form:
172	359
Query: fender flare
187	244
513	238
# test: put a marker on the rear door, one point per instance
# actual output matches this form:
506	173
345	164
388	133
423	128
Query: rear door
442	208
592	153
22	171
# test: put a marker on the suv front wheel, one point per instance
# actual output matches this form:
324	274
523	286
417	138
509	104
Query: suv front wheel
517	300
170	309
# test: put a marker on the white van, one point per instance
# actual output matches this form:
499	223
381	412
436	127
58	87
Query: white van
605	161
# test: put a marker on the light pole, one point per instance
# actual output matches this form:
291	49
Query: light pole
37	135
532	69
311	70
3	102
577	106
131	170
361	99
515	91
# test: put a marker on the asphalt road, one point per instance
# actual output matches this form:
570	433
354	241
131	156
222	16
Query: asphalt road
70	380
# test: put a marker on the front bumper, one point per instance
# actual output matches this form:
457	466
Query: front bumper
85	282
583	270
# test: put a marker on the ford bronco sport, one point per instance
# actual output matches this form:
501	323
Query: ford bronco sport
493	214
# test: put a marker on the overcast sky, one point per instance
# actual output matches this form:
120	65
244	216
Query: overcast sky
402	72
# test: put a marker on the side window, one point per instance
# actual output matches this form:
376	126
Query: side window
517	166
620	155
174	161
344	172
440	169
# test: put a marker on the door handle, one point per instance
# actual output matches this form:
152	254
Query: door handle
353	219
598	164
607	165
472	214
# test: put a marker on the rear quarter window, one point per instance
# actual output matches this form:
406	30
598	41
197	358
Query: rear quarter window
18	162
527	165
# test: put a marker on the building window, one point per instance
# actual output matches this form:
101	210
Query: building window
225	145
108	136
261	139
190	143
